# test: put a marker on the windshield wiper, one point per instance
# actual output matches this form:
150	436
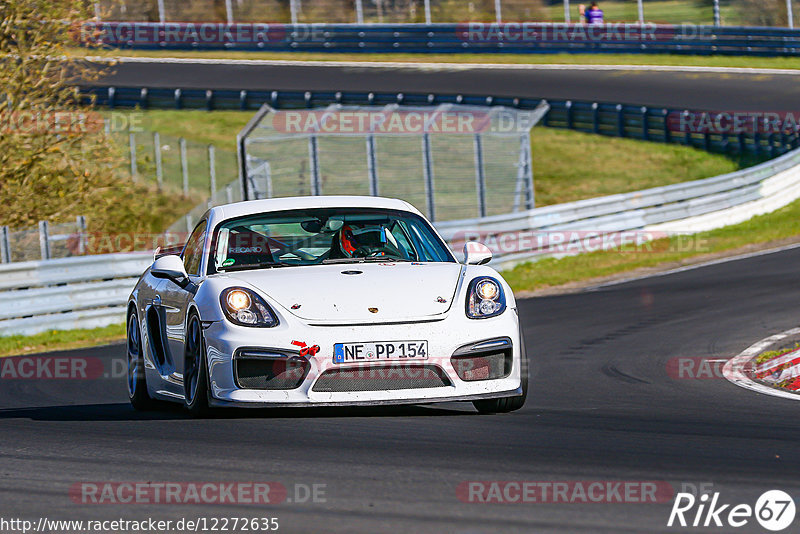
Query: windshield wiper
245	267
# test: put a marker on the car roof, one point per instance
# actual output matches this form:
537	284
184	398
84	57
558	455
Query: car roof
238	209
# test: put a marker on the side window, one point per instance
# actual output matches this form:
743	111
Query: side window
193	252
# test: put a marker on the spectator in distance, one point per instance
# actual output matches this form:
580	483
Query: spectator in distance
594	15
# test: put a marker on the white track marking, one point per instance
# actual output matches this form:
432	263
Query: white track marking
445	66
695	266
733	370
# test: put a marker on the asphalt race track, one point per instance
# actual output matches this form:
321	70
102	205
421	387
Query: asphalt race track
602	407
731	92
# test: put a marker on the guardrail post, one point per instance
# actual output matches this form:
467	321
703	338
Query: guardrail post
789	13
687	134
427	169
132	149
595	117
372	167
80	221
480	176
212	173
359	12
428	11
667	132
498	11
162	17
5	245
645	124
640	9
569	114
716	13
313	156
229	193
757	143
44	240
184	167
620	121
566	12
159	169
294	8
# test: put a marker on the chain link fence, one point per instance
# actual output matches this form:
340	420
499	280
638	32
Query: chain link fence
43	242
705	12
176	165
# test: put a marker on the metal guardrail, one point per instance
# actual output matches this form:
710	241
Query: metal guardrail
681	208
617	120
81	292
473	37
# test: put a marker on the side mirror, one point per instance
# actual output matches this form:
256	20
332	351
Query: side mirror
171	268
476	253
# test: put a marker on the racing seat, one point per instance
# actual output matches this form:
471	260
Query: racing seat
249	248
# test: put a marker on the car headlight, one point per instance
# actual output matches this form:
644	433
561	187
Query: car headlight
485	298
246	308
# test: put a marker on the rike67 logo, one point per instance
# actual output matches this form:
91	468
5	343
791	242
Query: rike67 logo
774	510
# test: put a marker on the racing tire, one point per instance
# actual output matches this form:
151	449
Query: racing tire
136	379
195	370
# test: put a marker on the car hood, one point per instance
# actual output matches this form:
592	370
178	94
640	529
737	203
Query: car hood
359	292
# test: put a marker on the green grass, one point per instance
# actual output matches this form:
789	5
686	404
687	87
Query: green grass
60	340
549	272
771	354
522	59
572	165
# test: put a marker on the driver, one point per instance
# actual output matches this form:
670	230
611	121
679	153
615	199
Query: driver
358	241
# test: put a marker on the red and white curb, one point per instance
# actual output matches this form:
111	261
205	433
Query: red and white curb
738	367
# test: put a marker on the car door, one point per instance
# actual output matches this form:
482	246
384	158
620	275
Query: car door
175	299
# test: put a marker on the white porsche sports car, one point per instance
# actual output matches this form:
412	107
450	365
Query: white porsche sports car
323	301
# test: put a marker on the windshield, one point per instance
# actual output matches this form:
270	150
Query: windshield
324	235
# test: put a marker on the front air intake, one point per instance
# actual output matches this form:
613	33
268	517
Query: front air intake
381	378
269	371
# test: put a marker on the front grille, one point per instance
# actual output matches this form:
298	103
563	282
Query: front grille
487	366
381	378
271	374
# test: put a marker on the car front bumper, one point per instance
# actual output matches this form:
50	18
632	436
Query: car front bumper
444	338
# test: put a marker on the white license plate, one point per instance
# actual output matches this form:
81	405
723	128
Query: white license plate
380	351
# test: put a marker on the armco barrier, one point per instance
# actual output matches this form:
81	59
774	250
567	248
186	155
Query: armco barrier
680	208
63	294
474	37
617	120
